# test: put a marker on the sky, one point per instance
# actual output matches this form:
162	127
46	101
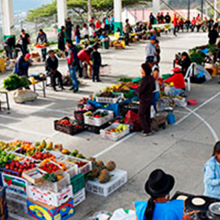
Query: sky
25	5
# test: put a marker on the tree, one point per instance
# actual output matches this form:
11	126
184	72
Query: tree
80	7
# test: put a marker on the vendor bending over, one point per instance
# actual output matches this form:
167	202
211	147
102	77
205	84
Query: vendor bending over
212	174
22	65
159	206
145	94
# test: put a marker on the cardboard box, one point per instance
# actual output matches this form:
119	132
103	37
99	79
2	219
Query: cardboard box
42	211
49	197
14	184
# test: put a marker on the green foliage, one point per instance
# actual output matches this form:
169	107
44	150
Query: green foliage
79	6
14	82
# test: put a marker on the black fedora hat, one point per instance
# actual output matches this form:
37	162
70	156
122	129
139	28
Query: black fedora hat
159	183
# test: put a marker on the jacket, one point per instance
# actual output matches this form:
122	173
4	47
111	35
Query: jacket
212	178
178	80
72	58
51	64
96	59
21	66
42	38
150	50
146	89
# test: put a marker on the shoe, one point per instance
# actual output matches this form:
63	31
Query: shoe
72	88
144	134
54	89
75	90
62	88
99	80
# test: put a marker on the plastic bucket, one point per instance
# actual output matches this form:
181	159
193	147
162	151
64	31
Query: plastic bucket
171	119
105	45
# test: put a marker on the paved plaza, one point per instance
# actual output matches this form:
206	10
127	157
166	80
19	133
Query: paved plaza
181	150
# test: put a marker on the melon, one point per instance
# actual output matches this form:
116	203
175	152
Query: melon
111	165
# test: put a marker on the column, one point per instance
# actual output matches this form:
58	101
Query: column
156	7
61	12
118	15
7	18
89	10
215	8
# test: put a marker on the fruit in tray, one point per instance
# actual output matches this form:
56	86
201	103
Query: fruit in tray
52	160
42	156
50	167
51	177
31	151
16	168
4	158
97	114
120	128
65	122
107	95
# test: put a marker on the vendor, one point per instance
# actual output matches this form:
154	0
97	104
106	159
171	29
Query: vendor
213	34
9	46
177	79
185	62
159	206
145	94
52	70
42	37
25	41
22	65
212	174
151	49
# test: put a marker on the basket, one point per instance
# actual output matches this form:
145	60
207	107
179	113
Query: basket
99	121
68	129
84	169
114	136
119	97
79	197
77	182
118	179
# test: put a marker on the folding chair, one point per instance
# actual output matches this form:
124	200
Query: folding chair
189	73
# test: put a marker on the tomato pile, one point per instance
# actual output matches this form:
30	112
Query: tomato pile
50	167
65	122
42	156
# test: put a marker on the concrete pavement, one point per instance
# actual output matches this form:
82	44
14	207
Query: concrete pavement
181	149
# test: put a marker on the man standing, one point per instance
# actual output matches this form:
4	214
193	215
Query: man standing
51	68
25	41
151	19
72	61
213	34
167	18
42	37
69	27
127	31
151	49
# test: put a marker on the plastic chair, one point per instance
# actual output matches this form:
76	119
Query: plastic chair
189	73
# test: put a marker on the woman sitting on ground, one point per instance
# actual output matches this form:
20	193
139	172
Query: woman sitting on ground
212	174
159	206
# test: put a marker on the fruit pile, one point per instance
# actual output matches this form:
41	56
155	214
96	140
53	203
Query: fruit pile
119	129
7	147
101	171
107	95
42	156
4	158
68	122
50	167
97	114
78	163
16	168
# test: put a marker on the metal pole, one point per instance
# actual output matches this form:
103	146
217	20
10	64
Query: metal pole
189	9
202	4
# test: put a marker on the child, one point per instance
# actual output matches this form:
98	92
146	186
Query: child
97	61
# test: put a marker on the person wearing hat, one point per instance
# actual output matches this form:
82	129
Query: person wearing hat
150	48
51	68
145	93
177	79
159	206
22	65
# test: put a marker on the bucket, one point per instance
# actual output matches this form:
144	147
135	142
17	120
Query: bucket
171	119
105	45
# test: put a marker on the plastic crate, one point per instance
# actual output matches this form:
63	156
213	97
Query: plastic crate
84	169
72	169
99	121
49	197
79	197
79	115
57	186
68	129
118	97
114	136
77	182
95	129
118	179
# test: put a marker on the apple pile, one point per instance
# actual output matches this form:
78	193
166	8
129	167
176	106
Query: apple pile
42	156
16	168
50	167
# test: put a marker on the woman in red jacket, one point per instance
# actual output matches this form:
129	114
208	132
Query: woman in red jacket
175	24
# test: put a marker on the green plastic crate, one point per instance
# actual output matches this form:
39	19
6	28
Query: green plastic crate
77	182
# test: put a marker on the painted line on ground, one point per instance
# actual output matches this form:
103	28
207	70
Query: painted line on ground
23	130
214	134
114	145
197	108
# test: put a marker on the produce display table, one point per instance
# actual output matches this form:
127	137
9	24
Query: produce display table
5	92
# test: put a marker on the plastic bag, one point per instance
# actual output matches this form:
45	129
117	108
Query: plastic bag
21	96
132	119
121	214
